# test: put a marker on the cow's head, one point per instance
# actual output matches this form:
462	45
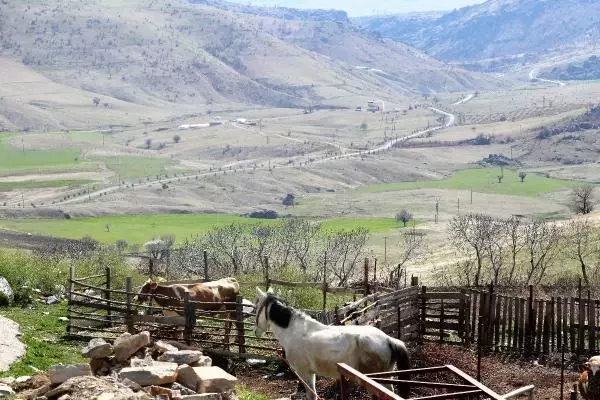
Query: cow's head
146	291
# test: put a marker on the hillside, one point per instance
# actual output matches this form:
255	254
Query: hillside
498	28
160	54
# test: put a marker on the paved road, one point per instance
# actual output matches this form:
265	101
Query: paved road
11	348
464	100
533	76
386	146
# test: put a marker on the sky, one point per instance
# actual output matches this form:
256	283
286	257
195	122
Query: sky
357	8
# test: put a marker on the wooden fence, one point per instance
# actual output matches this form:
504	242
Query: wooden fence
97	310
524	325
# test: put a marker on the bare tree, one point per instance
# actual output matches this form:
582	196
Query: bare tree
471	232
514	231
305	236
542	244
96	101
582	201
582	245
403	216
495	248
176	139
148	143
411	246
226	243
344	250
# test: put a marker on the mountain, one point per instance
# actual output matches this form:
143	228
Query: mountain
497	29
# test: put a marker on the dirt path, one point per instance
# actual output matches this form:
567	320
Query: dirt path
11	348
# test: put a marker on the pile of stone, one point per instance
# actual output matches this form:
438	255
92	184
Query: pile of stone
133	367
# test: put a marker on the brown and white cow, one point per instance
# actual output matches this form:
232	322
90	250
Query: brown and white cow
210	295
589	379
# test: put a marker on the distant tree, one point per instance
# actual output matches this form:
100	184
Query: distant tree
403	216
96	101
364	126
121	245
582	199
289	200
522	175
176	138
148	143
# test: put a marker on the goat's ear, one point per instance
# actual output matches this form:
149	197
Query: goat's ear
260	292
270	290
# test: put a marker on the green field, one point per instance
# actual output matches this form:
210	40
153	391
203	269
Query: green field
8	186
483	180
141	228
130	167
15	161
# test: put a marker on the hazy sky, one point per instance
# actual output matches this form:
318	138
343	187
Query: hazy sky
369	7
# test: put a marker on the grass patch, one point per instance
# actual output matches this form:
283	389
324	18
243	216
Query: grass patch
8	186
130	167
133	228
483	180
374	225
43	335
245	394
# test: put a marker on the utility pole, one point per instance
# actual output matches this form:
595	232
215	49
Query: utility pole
458	206
385	250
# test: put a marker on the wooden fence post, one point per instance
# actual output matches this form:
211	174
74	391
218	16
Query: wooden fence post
591	325
366	276
442	320
399	322
129	316
423	313
530	327
239	324
70	297
461	316
107	297
414	280
581	328
189	313
267	278
205	254
325	283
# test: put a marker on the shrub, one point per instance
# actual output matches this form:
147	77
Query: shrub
266	214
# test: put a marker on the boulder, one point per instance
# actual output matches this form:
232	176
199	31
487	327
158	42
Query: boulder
199	396
181	357
182	389
127	345
91	387
6	291
146	362
5	390
97	348
161	347
51	300
165	392
9	380
150	375
60	373
205	379
204	361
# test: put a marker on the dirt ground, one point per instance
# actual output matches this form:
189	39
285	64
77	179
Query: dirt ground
500	373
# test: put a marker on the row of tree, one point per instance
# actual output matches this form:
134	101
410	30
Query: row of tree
520	251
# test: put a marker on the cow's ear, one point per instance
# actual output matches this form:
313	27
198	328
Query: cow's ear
153	285
584	367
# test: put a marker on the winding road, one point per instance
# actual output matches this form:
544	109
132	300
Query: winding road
464	100
533	76
385	146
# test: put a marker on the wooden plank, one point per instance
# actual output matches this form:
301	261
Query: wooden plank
438	385
565	324
177	320
552	324
380	391
454	395
581	329
98	306
523	316
539	331
444	296
497	320
572	323
474	303
517	324
474	382
504	322
546	328
559	322
410	371
437	325
592	327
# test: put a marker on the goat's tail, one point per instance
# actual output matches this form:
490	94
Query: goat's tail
401	357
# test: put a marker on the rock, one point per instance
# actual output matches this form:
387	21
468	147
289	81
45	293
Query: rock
205	379
200	396
131	385
106	396
97	348
51	300
91	387
6	390
64	397
255	361
41	391
150	375
181	357
126	345
161	391
9	380
22	379
6	291
146	362
96	364
63	319
182	389
204	361
161	347
60	373
30	382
